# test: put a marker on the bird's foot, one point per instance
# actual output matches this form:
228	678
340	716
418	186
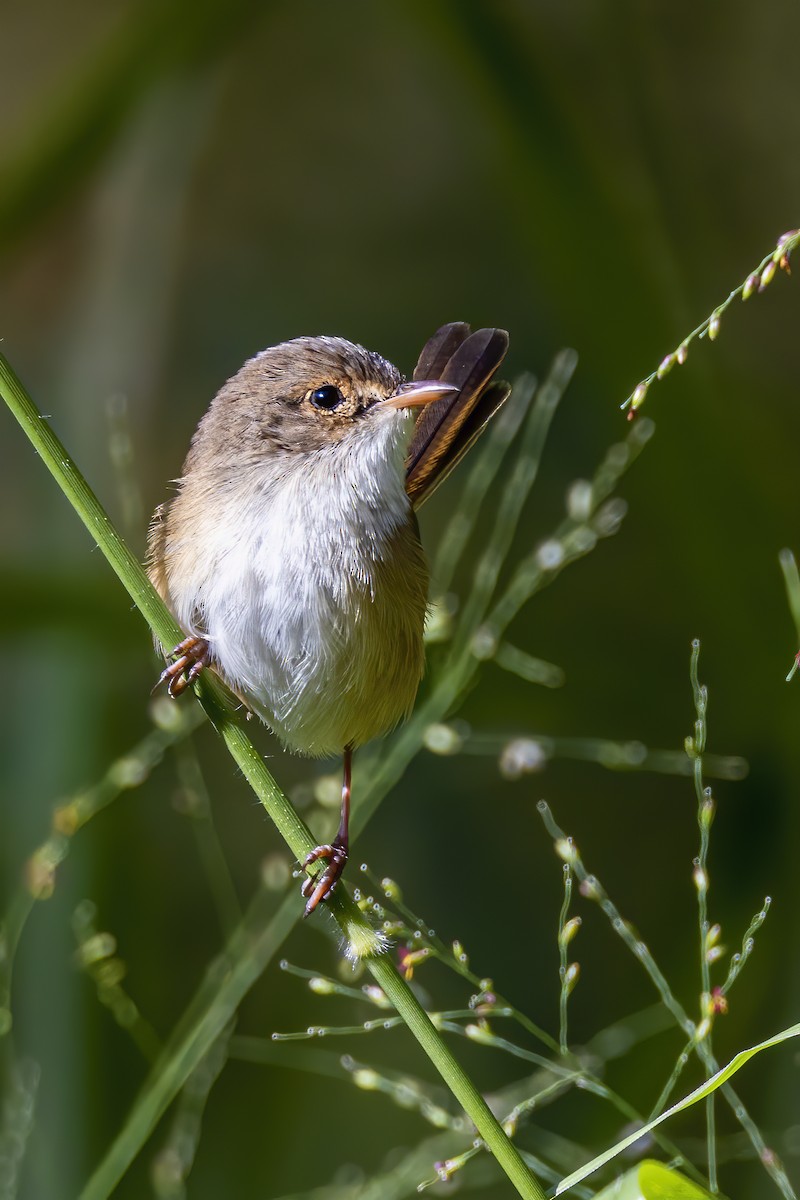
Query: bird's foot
319	887
193	655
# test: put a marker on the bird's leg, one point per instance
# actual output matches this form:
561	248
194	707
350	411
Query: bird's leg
193	655
319	887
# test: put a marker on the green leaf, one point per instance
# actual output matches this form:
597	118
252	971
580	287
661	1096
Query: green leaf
651	1180
700	1093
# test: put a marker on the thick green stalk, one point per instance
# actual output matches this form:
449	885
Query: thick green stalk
462	1087
214	699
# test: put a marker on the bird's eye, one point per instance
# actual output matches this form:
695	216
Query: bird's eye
327	397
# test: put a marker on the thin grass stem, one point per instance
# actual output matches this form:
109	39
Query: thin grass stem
705	812
512	500
499	437
563	943
757	281
196	803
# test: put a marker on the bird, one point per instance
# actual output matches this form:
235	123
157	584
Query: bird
290	553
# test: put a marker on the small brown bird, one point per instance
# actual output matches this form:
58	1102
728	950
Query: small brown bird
291	555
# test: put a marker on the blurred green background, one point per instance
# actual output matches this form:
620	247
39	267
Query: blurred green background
182	185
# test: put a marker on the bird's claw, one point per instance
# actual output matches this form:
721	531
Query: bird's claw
193	655
318	887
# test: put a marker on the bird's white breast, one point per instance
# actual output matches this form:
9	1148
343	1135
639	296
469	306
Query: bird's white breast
310	586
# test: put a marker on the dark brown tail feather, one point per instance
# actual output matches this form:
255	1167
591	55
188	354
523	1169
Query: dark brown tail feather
448	427
439	349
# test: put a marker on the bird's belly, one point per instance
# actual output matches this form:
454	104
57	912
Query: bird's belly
326	657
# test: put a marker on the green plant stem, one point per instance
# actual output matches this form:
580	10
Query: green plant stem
512	501
755	282
704	812
219	708
563	963
211	854
462	1087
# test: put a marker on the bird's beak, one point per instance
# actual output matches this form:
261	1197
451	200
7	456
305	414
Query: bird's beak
419	393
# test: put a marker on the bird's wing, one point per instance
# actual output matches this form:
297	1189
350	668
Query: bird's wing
448	427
